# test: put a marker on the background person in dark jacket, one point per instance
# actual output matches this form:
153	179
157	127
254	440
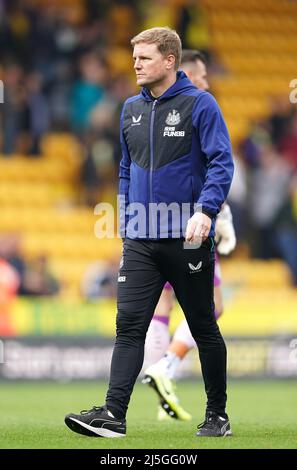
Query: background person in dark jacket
176	152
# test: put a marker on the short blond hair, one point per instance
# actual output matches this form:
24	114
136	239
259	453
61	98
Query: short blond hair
167	41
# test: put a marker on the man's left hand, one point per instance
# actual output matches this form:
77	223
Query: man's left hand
198	228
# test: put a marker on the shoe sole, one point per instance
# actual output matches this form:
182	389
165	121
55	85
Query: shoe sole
227	434
166	404
87	430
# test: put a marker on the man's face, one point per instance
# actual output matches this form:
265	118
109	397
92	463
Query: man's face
197	74
150	65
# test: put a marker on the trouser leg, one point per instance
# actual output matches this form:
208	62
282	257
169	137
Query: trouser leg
191	273
139	290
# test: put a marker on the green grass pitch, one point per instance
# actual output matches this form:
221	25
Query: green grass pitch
263	415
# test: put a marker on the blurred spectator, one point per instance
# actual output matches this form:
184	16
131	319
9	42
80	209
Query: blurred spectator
38	112
100	281
279	120
119	89
101	141
250	147
89	176
88	90
192	24
11	251
98	166
59	93
268	193
38	279
288	146
16	31
14	110
286	231
9	283
237	197
25	112
34	276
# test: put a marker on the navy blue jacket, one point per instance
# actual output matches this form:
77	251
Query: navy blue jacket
175	149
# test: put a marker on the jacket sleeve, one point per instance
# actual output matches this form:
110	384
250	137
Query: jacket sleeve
216	149
124	183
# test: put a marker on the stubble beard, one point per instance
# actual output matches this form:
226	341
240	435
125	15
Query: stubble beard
151	83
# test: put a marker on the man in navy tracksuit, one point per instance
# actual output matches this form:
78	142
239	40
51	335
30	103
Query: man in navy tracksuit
176	155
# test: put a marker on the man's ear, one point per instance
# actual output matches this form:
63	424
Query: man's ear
170	61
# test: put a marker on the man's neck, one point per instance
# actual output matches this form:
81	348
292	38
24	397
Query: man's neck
159	88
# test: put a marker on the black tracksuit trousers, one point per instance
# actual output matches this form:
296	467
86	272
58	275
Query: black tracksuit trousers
146	266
